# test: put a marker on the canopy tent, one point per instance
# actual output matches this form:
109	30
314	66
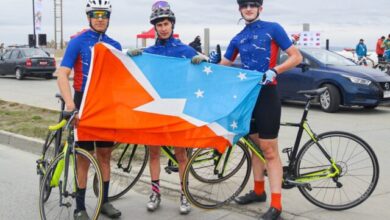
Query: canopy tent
151	34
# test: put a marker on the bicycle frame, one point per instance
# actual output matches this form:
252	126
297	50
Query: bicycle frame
330	172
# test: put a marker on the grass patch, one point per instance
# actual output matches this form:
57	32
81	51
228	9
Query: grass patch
26	120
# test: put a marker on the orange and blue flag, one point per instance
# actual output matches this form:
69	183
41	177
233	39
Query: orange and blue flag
157	100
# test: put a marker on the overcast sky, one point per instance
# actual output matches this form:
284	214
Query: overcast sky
344	22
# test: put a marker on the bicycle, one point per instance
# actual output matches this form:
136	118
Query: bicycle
366	61
49	152
333	170
59	186
129	161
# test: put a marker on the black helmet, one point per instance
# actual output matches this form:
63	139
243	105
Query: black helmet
240	2
161	10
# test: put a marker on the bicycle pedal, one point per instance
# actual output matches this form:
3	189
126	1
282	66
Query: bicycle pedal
167	170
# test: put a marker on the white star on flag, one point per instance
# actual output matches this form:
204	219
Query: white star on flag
235	97
242	76
207	70
234	125
199	93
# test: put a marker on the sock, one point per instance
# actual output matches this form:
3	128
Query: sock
276	201
259	187
105	191
156	186
80	200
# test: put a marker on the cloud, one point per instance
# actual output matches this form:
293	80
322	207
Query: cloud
341	21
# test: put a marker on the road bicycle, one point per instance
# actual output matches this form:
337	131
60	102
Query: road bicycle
60	186
52	145
366	61
334	170
129	161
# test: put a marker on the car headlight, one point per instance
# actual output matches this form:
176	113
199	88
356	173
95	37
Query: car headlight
358	80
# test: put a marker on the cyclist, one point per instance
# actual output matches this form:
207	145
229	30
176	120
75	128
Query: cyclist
164	20
78	58
258	44
361	51
386	45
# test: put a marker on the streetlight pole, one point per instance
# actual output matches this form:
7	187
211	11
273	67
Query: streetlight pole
34	35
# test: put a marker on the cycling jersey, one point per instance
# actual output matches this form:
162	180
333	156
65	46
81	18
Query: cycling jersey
258	45
171	47
78	55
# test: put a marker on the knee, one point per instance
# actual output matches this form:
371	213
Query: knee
270	154
154	155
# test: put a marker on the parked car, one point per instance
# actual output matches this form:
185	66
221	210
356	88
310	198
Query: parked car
347	83
23	62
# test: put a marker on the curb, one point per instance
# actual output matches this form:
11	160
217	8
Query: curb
32	145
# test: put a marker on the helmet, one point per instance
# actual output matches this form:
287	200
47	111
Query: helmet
104	5
160	10
240	2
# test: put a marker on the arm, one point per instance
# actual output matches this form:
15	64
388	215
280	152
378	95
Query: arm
294	58
64	86
225	62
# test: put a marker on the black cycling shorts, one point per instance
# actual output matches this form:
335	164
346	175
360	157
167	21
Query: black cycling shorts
89	145
267	113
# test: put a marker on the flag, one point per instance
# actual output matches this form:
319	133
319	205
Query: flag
157	100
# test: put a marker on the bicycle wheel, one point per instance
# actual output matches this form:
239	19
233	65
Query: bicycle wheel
359	170
62	200
128	162
223	166
203	189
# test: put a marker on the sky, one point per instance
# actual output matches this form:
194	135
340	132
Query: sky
343	22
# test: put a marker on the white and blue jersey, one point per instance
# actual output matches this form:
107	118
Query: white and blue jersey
78	55
172	48
258	45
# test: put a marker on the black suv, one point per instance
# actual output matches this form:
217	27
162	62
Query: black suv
23	62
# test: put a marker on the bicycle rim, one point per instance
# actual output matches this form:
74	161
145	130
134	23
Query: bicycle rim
357	162
213	194
124	175
60	205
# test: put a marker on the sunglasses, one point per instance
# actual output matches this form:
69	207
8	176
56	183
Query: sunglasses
99	14
250	5
161	5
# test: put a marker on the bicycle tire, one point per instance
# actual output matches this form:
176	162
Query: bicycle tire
353	156
66	210
214	194
217	175
122	179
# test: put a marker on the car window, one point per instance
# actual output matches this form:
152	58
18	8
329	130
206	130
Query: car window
7	54
329	58
34	52
14	54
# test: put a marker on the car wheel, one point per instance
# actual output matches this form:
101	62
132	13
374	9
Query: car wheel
18	74
330	99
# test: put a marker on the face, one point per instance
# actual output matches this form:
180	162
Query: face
164	29
99	20
249	11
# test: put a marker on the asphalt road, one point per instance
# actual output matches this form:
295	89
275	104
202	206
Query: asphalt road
372	125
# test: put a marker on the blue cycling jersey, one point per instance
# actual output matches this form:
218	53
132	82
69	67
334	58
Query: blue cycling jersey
172	48
78	55
258	45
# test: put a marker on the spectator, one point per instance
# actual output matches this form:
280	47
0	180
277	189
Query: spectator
196	44
380	50
386	46
361	50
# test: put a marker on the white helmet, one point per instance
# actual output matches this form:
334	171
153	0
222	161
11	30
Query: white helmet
93	5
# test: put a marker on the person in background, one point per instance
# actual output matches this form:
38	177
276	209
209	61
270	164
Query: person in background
379	48
361	51
386	46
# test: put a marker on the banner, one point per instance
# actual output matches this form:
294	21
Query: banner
157	100
38	15
306	39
